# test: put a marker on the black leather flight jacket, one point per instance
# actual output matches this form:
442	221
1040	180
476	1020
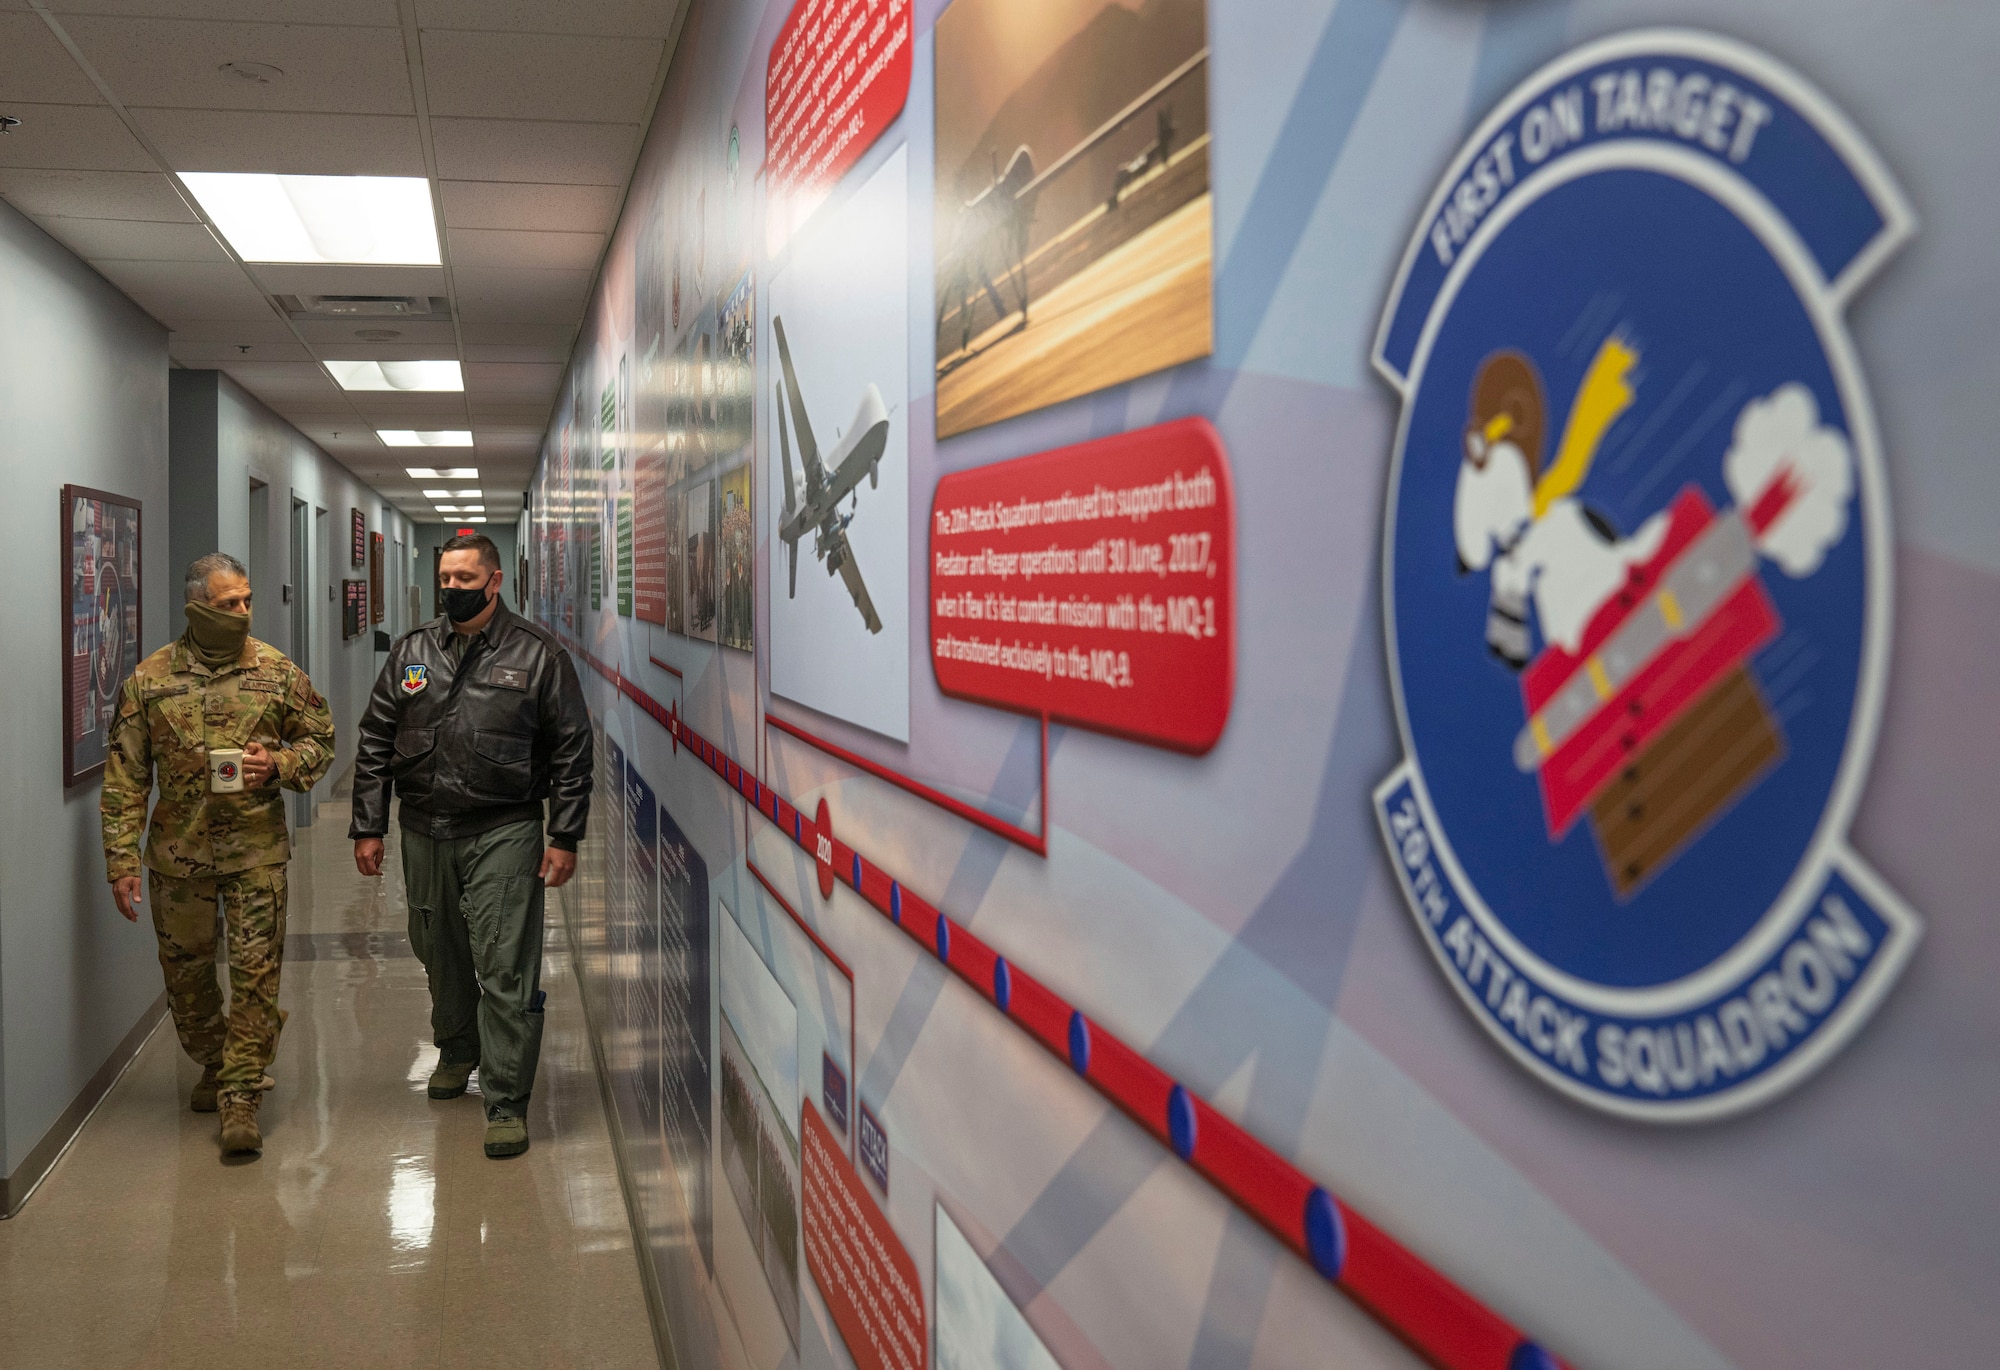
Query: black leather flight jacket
473	744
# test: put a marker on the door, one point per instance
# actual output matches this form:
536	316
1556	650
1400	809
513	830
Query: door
298	617
298	602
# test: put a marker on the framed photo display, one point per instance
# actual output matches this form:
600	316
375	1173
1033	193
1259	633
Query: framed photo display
360	528
353	608
100	573
378	605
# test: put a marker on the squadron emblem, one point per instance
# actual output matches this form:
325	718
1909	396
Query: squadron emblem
1636	577
415	678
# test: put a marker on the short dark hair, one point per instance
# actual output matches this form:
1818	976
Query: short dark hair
489	555
195	581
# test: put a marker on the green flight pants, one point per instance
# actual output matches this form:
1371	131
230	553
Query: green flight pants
476	924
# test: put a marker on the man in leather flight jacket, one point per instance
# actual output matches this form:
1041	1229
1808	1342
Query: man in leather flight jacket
477	719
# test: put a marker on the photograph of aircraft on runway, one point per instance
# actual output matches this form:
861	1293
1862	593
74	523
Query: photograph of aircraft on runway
838	336
1072	218
859	453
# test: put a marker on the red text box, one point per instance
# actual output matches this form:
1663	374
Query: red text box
839	74
863	1271
1094	583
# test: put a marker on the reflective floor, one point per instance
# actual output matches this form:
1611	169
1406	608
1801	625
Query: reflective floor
373	1231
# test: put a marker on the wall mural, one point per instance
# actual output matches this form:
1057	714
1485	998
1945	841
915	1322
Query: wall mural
1212	635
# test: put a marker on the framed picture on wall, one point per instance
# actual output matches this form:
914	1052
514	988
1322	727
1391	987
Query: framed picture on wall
353	608
378	605
360	525
100	573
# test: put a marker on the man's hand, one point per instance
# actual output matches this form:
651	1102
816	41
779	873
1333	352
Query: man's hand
368	855
259	766
125	891
557	867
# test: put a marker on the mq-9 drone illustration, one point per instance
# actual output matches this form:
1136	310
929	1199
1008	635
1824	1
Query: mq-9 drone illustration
858	452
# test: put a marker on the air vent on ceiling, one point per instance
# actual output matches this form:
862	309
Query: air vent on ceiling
365	306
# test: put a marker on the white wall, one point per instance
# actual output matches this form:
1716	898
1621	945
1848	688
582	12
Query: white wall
83	400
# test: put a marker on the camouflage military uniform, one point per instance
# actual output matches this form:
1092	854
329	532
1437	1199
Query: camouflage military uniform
201	847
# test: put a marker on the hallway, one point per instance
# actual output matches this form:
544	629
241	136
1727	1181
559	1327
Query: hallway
372	1231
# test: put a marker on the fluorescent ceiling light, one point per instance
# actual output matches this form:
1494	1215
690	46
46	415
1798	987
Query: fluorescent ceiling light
477	518
469	494
446	508
446	473
436	437
437	494
367	220
437	375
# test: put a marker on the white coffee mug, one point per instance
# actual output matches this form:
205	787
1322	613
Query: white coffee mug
225	770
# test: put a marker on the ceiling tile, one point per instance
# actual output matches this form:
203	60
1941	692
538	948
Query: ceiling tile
314	278
497	75
332	415
34	66
532	151
362	12
207	353
175	63
287	143
489	352
77	137
133	240
491	295
414	409
508	247
555	337
337	339
498	204
358	350
270	329
273	380
137	195
508	411
511	379
616	18
173	291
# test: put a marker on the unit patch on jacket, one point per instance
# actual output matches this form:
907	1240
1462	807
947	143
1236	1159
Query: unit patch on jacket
1636	577
416	678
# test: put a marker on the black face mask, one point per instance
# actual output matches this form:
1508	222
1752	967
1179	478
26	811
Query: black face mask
462	604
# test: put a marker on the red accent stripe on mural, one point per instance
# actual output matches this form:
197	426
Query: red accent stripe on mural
1436	1318
1020	837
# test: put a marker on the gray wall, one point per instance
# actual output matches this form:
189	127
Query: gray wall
83	400
431	536
237	470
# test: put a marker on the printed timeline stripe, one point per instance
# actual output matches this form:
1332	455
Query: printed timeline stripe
1440	1321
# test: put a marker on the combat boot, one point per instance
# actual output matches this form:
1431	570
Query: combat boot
505	1135
239	1124
202	1100
450	1079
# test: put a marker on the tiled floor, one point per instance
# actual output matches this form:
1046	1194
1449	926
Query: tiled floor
373	1231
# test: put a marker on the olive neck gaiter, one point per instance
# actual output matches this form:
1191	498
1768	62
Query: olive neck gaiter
215	638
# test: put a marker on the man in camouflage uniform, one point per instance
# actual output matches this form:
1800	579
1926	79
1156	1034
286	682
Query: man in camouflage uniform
216	686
